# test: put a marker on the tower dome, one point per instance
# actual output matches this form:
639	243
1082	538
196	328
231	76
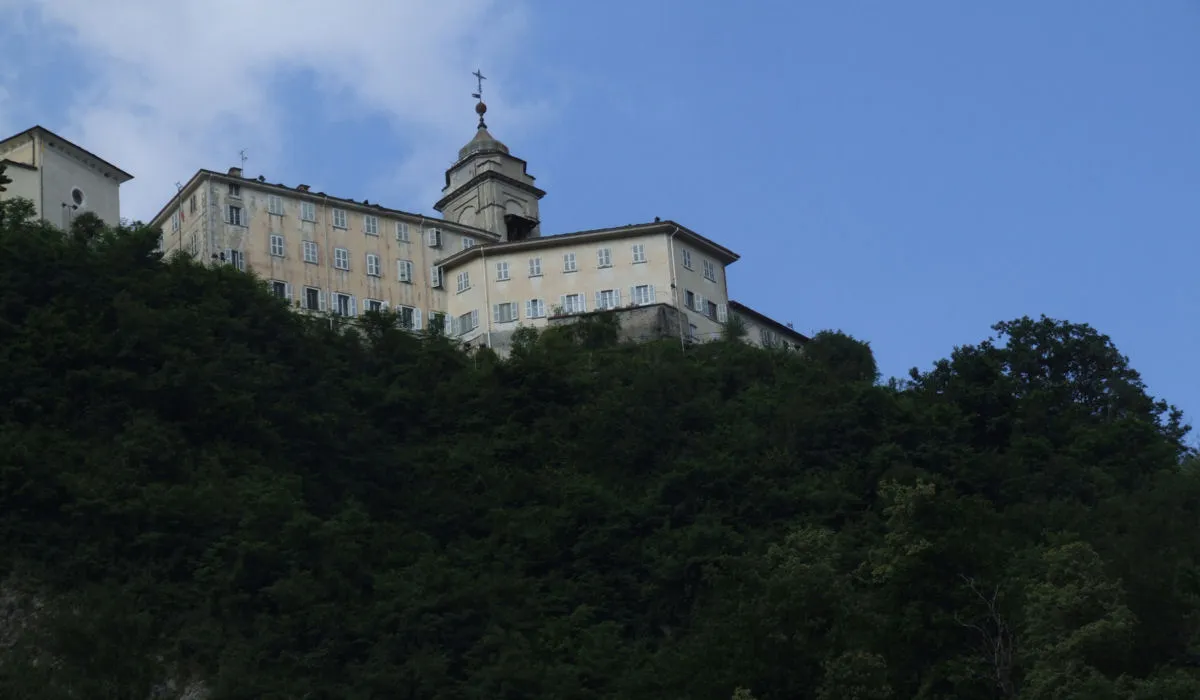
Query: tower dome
483	142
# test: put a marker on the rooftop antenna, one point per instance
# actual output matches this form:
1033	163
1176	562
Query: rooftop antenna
480	107
242	153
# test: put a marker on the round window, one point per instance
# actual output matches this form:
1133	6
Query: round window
77	197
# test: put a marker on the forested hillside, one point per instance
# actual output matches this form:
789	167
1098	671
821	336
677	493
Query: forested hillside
203	494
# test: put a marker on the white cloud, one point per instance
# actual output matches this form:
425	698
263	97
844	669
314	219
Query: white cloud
180	85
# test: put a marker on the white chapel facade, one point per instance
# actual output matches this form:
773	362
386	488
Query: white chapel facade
62	180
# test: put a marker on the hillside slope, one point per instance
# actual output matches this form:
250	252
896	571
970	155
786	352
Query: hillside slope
199	488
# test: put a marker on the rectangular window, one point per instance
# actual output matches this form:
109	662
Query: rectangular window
341	258
192	204
308	211
710	271
608	299
277	247
236	258
313	301
504	312
275	204
281	289
235	216
402	231
371	225
433	237
408	318
235	190
309	248
343	304
464	281
692	334
687	257
710	309
639	252
535	308
436	278
175	221
468	243
604	257
642	294
373	305
535	267
372	265
501	271
404	271
569	262
689	299
573	304
437	322
339	218
468	322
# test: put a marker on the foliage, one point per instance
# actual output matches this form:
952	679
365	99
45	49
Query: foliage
199	483
844	356
4	179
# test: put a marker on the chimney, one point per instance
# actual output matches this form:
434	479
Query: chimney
235	172
302	188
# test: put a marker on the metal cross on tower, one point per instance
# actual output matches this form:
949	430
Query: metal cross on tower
479	81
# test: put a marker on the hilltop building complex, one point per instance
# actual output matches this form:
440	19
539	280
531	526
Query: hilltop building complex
479	271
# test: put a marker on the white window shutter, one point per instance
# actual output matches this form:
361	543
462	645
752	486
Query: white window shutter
474	318
582	303
722	313
452	322
228	256
353	307
652	294
700	303
496	313
562	303
383	306
287	291
529	308
416	319
598	299
617	297
320	301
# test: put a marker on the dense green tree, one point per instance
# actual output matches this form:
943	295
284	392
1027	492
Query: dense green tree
200	488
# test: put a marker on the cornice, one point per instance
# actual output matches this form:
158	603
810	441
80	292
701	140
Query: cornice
488	175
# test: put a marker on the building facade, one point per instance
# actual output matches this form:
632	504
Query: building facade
479	272
497	288
62	179
321	253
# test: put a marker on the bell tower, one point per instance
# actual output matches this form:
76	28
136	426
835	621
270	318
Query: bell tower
488	188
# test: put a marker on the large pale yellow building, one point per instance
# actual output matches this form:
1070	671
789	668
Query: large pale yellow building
480	271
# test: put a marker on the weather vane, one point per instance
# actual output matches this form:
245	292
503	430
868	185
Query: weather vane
479	80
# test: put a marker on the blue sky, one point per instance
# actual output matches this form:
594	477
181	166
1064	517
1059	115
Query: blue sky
908	172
